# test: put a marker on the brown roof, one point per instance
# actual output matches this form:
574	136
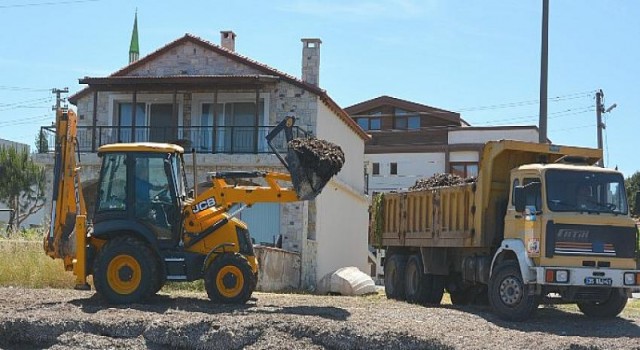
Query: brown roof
403	104
243	60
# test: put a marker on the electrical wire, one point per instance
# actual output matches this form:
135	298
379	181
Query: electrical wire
527	102
31	101
51	3
18	88
22	121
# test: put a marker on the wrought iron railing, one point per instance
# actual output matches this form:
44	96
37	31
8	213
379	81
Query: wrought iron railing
204	139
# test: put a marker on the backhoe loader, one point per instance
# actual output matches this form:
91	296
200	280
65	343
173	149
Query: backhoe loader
148	228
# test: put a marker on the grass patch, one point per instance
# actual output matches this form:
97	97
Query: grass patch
24	263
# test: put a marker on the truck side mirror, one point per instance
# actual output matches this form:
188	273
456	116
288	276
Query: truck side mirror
519	198
636	207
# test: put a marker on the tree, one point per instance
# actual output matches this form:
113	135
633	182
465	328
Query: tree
632	185
42	144
22	184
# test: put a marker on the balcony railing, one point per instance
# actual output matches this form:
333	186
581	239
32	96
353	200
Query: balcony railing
204	139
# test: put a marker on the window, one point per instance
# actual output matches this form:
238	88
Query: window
464	169
376	169
369	123
112	193
585	191
405	120
125	117
533	195
235	127
516	183
393	169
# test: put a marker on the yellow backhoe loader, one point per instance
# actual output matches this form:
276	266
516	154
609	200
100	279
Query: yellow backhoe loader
148	228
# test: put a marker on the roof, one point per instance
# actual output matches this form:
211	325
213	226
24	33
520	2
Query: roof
324	97
152	147
403	104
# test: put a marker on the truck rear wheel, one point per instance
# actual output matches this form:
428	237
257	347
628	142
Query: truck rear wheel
509	295
609	308
229	279
416	283
394	267
124	271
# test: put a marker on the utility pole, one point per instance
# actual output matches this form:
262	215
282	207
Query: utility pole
58	92
600	110
544	59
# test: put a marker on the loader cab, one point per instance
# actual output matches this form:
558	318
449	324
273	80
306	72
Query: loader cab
140	190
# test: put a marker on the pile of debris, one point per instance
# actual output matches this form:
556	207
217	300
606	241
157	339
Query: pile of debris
324	158
440	180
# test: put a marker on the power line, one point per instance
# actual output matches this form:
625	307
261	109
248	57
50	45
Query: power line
31	101
28	120
51	3
559	114
18	88
526	103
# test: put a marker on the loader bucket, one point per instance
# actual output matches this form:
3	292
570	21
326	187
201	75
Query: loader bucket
312	163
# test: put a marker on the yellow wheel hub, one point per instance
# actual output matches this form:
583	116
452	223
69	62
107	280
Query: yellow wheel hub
229	281
124	274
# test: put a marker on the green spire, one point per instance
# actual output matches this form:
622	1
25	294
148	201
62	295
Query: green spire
134	49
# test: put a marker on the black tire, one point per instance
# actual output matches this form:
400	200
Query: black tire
124	271
394	267
609	308
417	285
159	279
509	295
229	279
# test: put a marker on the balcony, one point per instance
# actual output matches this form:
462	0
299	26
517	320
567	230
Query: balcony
203	139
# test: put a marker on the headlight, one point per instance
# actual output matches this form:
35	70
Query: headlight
631	278
562	276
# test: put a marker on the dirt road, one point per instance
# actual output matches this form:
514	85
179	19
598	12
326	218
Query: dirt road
63	319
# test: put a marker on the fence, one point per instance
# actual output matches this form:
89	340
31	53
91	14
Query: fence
204	139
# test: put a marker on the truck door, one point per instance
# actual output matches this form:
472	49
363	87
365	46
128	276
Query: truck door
526	226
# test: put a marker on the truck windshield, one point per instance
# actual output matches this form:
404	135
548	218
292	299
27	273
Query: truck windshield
586	191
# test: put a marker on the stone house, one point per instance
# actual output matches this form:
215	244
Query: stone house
222	104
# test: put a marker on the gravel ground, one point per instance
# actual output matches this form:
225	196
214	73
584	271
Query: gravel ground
69	319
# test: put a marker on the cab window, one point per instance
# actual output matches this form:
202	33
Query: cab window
112	194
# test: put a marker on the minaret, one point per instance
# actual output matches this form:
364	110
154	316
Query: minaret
134	50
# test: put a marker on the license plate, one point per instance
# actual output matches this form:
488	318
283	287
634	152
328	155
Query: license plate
598	281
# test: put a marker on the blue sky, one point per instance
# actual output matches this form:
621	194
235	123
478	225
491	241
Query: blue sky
479	57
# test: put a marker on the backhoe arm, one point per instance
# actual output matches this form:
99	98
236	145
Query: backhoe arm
67	231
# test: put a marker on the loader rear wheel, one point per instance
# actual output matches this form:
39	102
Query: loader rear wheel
123	271
394	267
229	279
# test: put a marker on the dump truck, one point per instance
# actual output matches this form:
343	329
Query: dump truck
149	227
540	223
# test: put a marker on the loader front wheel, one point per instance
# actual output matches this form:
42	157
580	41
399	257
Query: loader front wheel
229	279
123	271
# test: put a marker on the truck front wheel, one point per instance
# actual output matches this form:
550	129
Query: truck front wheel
508	294
609	308
394	267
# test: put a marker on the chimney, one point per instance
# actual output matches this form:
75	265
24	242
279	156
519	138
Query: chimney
311	61
228	40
